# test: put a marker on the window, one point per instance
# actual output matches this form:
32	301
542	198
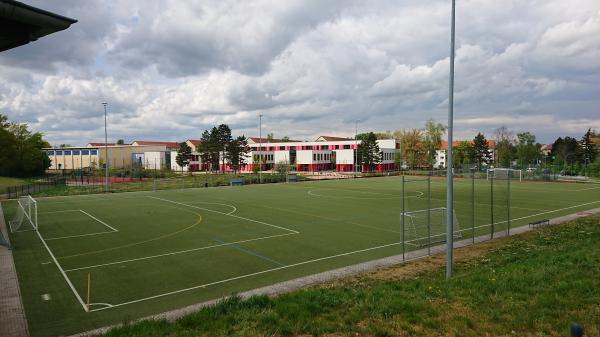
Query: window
76	152
314	156
309	147
337	147
85	152
94	152
50	153
293	148
347	147
59	153
67	153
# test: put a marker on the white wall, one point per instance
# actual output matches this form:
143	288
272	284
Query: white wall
344	157
154	159
281	156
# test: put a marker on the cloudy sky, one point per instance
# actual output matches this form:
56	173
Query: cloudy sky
170	69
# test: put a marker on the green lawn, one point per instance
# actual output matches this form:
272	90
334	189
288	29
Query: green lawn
533	284
9	182
147	252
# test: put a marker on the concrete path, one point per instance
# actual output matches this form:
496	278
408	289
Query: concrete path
306	281
12	315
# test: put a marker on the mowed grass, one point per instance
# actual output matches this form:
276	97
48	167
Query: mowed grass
9	182
534	284
147	252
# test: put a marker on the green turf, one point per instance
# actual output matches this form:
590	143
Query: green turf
147	252
9	182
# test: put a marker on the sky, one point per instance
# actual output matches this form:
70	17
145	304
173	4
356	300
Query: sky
171	69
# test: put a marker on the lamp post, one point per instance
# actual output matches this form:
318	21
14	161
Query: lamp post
450	183
260	148
105	150
356	162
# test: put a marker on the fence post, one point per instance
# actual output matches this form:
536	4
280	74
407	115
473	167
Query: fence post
492	205
508	204
473	205
402	220
429	214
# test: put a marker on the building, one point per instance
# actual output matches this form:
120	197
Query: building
94	155
441	156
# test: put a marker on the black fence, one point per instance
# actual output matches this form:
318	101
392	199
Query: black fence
35	186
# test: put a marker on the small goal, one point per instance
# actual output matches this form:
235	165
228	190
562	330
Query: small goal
428	226
504	174
26	217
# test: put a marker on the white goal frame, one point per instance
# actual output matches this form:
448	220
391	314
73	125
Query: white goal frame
410	224
26	211
509	173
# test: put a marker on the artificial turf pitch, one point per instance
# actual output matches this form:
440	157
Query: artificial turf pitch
148	252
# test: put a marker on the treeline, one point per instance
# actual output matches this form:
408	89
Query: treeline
218	149
21	152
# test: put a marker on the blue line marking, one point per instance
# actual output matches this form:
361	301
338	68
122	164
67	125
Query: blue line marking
251	252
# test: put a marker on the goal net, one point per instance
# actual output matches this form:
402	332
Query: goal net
25	219
428	226
504	174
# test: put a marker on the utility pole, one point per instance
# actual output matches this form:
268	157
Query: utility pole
260	148
356	162
449	177
105	150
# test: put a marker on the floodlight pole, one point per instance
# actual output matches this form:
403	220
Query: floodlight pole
449	177
105	150
260	148
356	163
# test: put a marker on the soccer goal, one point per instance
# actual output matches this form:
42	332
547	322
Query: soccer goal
26	218
428	226
504	174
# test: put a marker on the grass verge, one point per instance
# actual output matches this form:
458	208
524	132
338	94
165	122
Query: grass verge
534	284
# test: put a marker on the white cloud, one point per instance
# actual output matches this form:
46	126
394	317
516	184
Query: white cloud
171	69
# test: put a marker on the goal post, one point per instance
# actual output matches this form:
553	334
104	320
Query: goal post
428	226
26	216
504	174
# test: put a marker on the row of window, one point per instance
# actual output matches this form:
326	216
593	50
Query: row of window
266	157
388	156
302	147
72	152
321	156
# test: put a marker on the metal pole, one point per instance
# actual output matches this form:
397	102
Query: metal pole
105	150
492	204
260	148
473	204
508	203
402	219
356	163
450	183
428	214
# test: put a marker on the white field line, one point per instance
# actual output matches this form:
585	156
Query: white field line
392	196
63	272
178	252
100	221
112	230
531	216
217	203
247	275
228	214
63	211
587	189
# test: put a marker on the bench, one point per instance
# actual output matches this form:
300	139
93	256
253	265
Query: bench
539	223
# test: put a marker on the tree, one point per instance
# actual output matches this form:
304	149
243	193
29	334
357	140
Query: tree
368	151
65	145
528	150
464	153
481	150
285	139
504	146
223	137
411	147
120	142
432	140
184	155
209	148
588	150
270	137
237	153
564	151
21	151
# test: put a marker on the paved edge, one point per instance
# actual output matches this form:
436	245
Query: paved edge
13	322
306	281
